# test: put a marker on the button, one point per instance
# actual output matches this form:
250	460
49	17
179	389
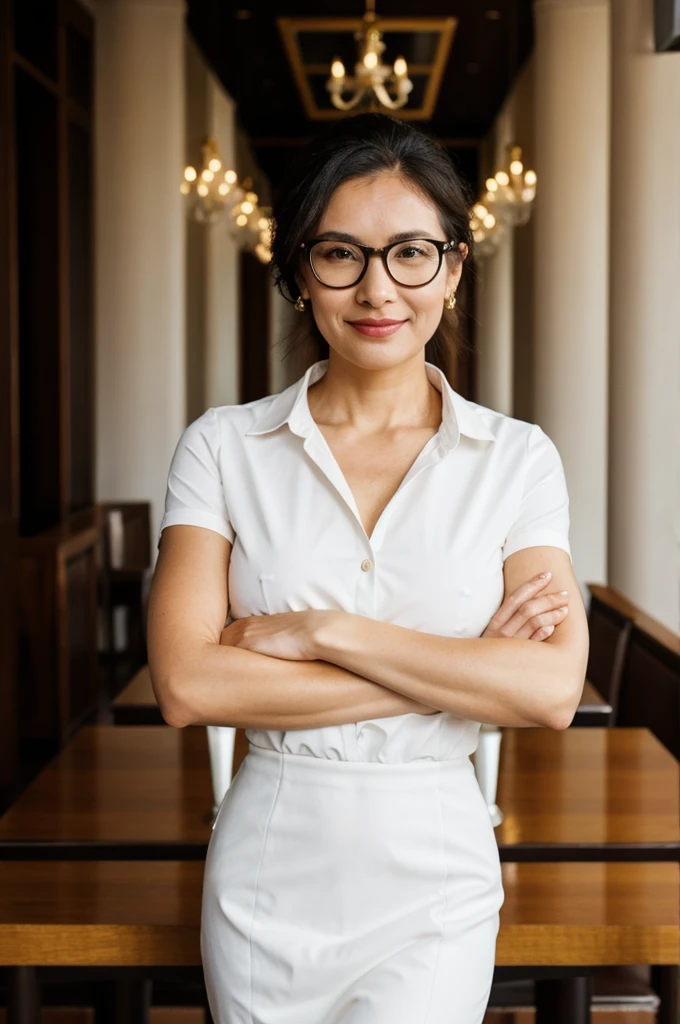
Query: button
367	564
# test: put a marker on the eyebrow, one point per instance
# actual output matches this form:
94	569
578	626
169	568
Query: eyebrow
401	236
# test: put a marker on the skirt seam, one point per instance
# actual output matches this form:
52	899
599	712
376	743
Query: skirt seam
446	900
257	878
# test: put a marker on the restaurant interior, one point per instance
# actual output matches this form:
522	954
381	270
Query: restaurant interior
142	145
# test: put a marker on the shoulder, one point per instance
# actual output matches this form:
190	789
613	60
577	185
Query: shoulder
508	431
521	448
221	422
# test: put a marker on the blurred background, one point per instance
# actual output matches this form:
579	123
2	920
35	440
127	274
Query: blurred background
142	145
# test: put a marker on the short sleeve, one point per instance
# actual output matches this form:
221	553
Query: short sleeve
543	513
195	492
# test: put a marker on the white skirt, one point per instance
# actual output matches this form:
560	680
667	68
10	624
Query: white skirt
350	892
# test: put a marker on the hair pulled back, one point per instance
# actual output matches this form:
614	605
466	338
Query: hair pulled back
354	147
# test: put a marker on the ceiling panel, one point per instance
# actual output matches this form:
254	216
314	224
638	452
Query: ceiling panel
244	45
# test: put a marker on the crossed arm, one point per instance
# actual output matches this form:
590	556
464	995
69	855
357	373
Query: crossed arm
328	668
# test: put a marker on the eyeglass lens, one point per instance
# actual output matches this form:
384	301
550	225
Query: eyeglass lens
339	264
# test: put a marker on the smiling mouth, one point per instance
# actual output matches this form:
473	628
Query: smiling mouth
372	328
373	322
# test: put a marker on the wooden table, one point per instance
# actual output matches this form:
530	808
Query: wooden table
117	792
136	704
593	709
564	918
596	794
141	792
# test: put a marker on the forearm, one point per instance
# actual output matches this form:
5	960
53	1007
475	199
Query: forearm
495	680
224	685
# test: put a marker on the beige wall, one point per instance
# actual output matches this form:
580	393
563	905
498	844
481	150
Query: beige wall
643	463
212	265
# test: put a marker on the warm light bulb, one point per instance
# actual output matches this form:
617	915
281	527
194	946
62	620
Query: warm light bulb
502	178
214	164
400	67
223	188
480	210
207	175
489	220
492	184
263	223
202	189
370	59
337	69
516	167
230	176
190	173
528	194
252	197
530	178
185	188
247	207
241	220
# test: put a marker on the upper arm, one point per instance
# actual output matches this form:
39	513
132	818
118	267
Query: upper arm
189	597
538	540
188	606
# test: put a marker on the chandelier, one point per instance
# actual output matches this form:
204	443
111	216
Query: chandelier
507	202
371	77
216	196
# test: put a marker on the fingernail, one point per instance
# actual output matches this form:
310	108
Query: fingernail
543	575
563	608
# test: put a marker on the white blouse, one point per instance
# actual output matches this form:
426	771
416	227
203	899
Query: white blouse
263	475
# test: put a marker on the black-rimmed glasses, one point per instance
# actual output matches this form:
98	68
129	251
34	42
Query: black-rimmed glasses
411	263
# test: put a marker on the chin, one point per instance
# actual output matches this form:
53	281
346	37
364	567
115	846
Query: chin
378	353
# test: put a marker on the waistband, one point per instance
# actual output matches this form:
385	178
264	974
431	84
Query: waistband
313	767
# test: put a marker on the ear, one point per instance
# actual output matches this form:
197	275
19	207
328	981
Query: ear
302	285
453	276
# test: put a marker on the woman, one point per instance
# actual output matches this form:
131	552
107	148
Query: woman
370	532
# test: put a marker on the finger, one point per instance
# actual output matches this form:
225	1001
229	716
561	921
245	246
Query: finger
539	605
524	629
518	597
543	633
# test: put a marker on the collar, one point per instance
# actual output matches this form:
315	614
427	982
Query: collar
459	416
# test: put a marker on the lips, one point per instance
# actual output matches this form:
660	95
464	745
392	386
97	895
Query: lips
372	322
374	328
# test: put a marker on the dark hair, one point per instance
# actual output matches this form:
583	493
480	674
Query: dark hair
354	147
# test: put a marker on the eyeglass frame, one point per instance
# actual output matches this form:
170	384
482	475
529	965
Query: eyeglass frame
367	251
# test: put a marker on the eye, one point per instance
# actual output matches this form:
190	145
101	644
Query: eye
336	254
416	251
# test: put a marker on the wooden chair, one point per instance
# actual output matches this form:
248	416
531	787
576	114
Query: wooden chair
650	685
125	572
609	627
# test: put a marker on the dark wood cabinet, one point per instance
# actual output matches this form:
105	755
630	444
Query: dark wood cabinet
49	532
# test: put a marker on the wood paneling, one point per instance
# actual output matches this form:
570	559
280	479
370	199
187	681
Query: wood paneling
46	372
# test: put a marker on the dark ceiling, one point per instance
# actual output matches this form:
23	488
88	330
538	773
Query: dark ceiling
243	44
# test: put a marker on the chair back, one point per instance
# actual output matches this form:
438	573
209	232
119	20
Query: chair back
609	628
126	534
650	684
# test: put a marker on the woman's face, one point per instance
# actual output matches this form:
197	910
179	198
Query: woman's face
372	209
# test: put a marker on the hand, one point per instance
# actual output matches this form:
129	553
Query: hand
289	635
528	614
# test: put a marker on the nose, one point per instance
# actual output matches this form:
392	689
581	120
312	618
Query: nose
376	286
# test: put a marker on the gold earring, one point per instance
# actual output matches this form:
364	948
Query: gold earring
300	304
450	302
